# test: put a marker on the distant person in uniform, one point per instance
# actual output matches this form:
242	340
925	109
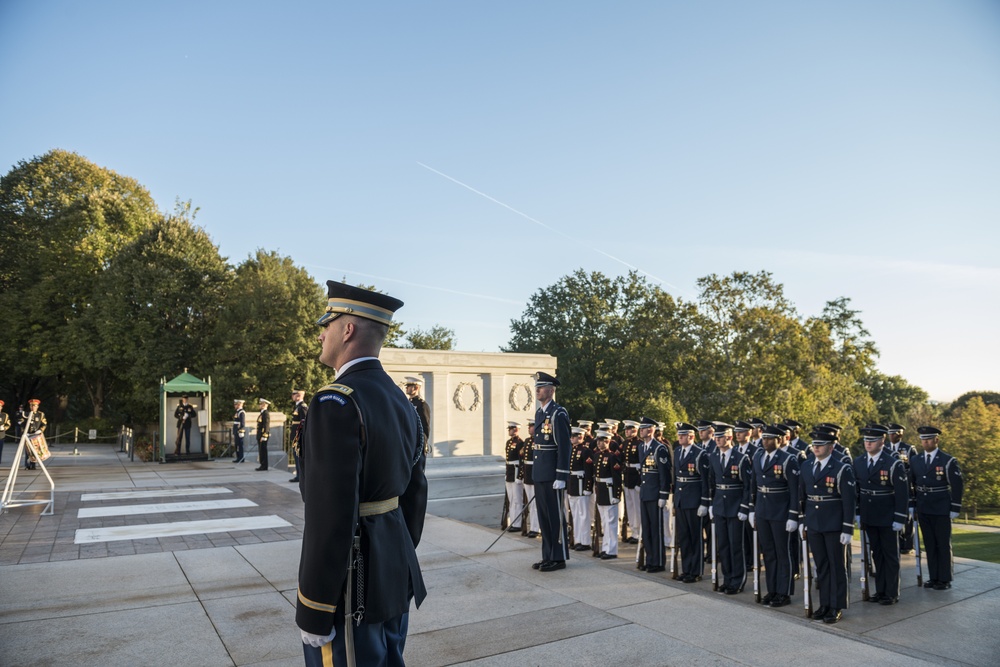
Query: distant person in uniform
904	451
37	425
513	478
551	470
937	499
263	432
239	429
298	420
185	415
413	384
365	493
4	426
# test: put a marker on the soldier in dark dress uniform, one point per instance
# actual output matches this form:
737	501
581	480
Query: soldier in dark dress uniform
364	490
691	499
413	384
551	470
580	488
38	424
829	496
4	426
528	459
743	431
794	441
513	479
630	479
299	411
882	507
706	432
729	489
239	429
774	513
937	483
263	433
608	493
185	415
654	491
903	451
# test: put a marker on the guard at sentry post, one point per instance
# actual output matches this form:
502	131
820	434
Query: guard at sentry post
550	472
299	412
364	492
654	491
690	488
883	498
829	496
937	499
412	389
774	513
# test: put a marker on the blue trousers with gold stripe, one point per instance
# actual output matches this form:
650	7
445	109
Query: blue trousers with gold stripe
378	644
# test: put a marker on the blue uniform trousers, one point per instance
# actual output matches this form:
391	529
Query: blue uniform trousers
375	645
831	568
773	539
935	532
652	532
688	538
552	522
884	544
729	550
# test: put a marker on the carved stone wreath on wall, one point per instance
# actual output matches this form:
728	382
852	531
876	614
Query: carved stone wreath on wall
460	394
520	397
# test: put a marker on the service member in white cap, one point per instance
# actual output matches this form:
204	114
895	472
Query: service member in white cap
630	480
413	384
263	432
580	488
513	478
608	492
239	429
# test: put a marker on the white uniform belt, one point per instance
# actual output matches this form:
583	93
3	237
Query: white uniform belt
577	473
635	465
604	480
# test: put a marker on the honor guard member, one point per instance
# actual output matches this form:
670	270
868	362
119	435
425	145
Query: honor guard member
790	427
829	499
513	478
580	488
412	388
691	499
37	425
903	450
785	436
706	433
654	491
299	412
742	432
528	460
729	489
758	425
365	493
608	492
239	429
552	450
937	484
4	427
884	496
588	429
185	415
631	478
839	450
794	441
263	432
774	513
617	442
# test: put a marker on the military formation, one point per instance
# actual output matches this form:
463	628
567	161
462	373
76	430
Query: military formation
757	502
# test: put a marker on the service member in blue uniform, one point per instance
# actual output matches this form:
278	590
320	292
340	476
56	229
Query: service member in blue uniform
263	433
903	450
743	433
937	484
299	411
580	488
551	470
239	429
829	499
362	481
729	488
654	491
774	513
690	488
608	493
882	507
513	479
794	441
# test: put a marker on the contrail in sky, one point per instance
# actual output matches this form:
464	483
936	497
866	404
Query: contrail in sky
551	229
412	284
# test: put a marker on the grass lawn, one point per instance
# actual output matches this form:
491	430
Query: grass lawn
975	544
987	518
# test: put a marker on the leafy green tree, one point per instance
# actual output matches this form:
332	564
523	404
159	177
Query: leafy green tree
63	220
435	338
894	397
989	398
970	435
266	337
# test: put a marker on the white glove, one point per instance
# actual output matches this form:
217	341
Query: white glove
896	526
753	519
845	538
791	525
662	502
702	510
802	530
911	514
954	515
317	640
614	501
587	493
558	485
711	513
741	516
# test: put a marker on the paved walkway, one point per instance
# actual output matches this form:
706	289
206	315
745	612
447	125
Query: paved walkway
226	597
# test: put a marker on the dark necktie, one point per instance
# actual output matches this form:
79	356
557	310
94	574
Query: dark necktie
871	464
816	471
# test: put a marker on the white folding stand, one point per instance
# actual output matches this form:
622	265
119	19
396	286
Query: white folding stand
14	498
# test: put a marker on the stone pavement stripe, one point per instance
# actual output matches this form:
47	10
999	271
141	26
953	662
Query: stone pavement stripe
160	508
157	493
91	535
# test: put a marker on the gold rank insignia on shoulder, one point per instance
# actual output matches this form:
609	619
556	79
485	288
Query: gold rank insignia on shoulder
339	388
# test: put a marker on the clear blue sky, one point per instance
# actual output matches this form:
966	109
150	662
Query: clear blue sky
851	148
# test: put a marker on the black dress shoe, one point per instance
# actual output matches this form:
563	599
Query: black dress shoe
767	598
781	601
732	591
259	469
512	529
532	533
640	566
552	566
833	616
820	613
876	598
888	601
608	556
942	585
653	569
293	480
539	564
930	583
633	540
